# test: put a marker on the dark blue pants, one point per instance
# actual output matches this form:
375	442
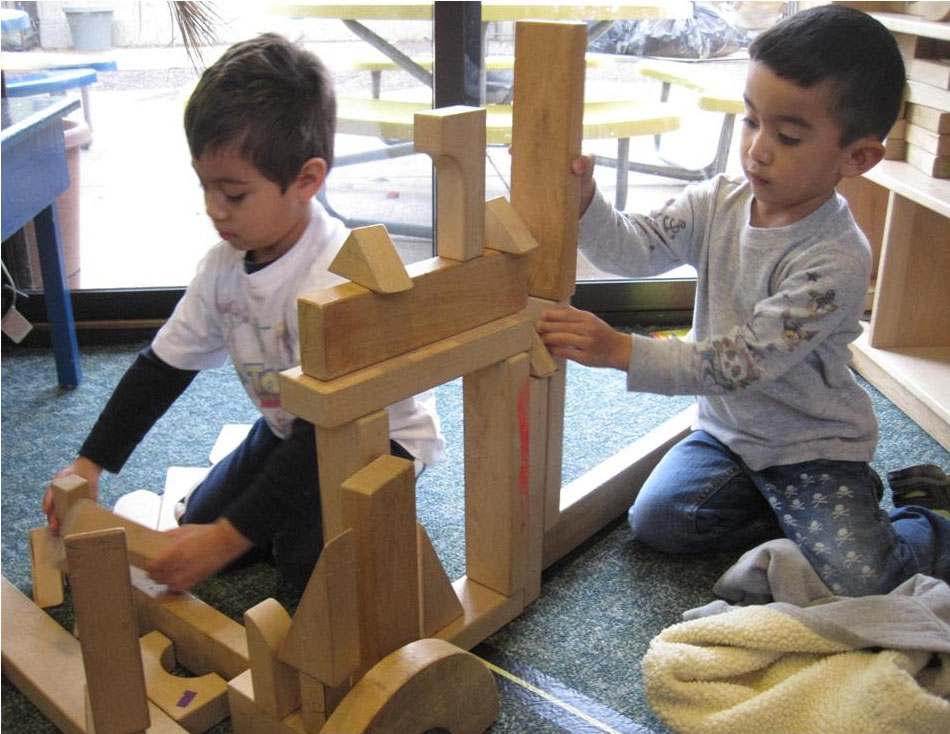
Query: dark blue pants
284	469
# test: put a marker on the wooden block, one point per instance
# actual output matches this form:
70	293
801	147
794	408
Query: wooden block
369	258
930	71
898	130
44	662
438	604
275	683
67	491
937	121
554	452
334	403
485	612
933	143
428	685
379	503
546	138
937	166
341	452
542	363
196	703
144	544
323	639
928	96
313	702
537	475
249	718
455	139
504	229
347	327
44	563
496	475
205	639
895	149
109	638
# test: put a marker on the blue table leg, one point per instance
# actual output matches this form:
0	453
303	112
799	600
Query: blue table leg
59	307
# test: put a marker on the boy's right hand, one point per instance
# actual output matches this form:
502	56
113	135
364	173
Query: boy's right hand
82	467
583	166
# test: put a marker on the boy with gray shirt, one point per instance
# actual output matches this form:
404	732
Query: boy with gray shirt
784	434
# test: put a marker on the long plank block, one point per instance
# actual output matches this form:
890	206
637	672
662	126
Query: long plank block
206	641
485	612
44	662
348	327
546	137
109	636
605	492
333	403
143	542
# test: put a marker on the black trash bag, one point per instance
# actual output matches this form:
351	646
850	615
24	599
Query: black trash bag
705	34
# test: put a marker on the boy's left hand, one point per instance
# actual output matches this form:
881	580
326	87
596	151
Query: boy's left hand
582	337
196	553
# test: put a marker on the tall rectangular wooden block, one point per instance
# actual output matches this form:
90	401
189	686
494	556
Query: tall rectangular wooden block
347	327
546	137
379	503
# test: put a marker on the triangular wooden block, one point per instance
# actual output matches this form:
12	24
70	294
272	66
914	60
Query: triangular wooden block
323	640
438	603
369	258
542	363
504	229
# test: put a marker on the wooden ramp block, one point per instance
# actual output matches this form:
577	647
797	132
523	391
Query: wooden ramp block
496	474
45	566
196	703
379	503
275	683
334	403
108	633
427	685
44	662
144	543
546	138
323	638
438	604
205	640
369	258
455	139
504	229
346	327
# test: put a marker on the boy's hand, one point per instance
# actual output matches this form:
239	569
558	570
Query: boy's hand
583	166
81	467
584	338
196	553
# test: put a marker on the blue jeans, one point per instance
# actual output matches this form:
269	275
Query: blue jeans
702	498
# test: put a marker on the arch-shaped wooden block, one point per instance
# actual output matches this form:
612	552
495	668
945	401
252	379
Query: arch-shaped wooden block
429	684
196	703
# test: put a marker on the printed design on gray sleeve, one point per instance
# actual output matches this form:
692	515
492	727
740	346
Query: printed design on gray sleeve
793	328
728	364
666	225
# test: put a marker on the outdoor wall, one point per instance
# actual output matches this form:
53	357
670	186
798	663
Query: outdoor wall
152	23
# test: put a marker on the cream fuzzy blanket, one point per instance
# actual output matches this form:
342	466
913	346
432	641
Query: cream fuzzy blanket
867	665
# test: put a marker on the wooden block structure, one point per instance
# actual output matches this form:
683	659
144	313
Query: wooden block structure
377	642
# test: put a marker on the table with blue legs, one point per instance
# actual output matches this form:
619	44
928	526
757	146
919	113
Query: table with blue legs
34	174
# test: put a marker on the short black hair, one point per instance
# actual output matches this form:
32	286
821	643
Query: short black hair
270	99
848	48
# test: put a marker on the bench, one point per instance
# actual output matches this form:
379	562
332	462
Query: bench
713	94
392	120
56	76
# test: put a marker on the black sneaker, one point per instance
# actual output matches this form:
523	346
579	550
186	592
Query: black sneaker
924	485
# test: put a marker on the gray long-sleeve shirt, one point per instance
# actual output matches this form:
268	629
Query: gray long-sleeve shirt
774	313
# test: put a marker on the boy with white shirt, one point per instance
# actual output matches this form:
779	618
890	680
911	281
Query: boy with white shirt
784	433
260	127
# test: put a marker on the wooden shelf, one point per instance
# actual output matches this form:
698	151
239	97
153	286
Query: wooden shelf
914	25
916	379
913	184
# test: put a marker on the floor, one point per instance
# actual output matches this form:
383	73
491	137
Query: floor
142	221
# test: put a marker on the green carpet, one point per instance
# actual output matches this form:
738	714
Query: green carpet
599	606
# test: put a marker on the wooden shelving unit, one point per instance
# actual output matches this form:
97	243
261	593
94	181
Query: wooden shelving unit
905	349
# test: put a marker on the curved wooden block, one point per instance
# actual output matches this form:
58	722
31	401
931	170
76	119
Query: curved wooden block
196	703
427	684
